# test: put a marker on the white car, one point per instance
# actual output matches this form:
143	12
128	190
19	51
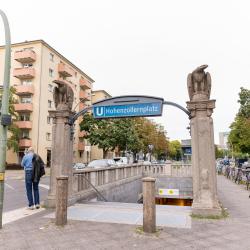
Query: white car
102	163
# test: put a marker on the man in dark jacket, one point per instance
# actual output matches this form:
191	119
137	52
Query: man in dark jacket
34	169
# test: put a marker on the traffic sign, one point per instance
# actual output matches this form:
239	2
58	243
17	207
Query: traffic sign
128	106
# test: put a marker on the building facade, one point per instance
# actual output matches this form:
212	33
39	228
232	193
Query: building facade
97	153
223	140
35	66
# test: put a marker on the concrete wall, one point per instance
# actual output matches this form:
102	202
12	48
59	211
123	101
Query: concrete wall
127	192
184	184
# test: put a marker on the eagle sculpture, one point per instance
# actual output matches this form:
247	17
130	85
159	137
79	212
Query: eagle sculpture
63	94
199	84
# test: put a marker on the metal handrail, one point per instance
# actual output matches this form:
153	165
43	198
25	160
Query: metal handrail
93	187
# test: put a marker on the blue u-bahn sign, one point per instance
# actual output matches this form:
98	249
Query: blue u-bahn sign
128	106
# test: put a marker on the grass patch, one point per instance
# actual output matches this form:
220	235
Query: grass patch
139	230
224	214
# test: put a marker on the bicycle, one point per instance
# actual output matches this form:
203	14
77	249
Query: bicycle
248	180
239	174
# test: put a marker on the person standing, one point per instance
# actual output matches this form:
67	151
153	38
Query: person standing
34	169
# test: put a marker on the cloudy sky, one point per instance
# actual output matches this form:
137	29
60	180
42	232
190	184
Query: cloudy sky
147	47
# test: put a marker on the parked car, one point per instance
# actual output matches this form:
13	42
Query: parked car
79	166
102	163
121	160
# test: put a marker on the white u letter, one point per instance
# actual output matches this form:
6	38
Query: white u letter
99	111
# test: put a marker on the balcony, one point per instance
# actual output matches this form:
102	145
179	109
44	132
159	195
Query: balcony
24	73
25	56
24	89
83	95
84	84
81	146
25	143
20	107
82	134
65	70
24	124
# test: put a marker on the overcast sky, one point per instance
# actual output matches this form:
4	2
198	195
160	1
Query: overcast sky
147	47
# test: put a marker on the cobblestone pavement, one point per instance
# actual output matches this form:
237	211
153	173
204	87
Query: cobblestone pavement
38	232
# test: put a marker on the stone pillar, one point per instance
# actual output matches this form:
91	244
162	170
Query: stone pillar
61	200
149	211
205	200
61	153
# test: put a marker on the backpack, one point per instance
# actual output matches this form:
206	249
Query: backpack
38	169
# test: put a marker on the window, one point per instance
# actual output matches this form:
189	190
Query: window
26	82
48	136
24	117
25	99
51	57
24	134
49	120
27	65
49	104
51	72
50	87
80	154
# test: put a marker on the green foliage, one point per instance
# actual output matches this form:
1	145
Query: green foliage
219	153
13	130
239	137
175	150
126	134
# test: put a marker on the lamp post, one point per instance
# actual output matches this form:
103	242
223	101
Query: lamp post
5	117
150	148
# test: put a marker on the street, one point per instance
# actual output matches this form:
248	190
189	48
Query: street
15	193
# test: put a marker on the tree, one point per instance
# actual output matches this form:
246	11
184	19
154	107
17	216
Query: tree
125	134
109	134
239	137
13	130
219	153
175	150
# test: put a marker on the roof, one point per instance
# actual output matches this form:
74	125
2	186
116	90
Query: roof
103	91
55	51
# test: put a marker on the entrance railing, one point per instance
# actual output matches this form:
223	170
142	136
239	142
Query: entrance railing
84	180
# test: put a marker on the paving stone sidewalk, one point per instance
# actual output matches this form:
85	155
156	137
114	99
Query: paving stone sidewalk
38	232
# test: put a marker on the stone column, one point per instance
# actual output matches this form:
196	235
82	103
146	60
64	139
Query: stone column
61	200
205	200
149	211
61	153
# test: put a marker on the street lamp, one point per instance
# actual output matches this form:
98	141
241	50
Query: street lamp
5	117
150	148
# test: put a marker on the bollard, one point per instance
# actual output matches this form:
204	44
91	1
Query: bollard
149	212
61	200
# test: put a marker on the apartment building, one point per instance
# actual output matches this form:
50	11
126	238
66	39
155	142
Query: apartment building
97	153
35	65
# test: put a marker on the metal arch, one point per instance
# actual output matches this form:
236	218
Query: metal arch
85	110
177	106
82	112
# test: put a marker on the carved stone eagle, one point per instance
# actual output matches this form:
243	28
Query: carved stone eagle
63	94
199	84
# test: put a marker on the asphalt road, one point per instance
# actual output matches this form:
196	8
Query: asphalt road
15	193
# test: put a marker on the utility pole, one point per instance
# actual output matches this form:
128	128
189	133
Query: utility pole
5	117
